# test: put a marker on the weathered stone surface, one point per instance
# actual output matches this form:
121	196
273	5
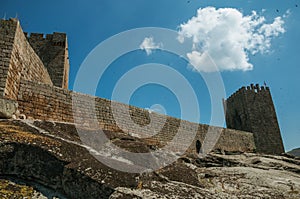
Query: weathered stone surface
18	60
295	152
31	155
251	109
273	177
42	101
52	155
53	51
7	108
16	188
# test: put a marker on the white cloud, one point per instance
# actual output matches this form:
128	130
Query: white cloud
149	45
223	38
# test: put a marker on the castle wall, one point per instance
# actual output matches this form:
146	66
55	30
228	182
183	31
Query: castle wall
29	65
45	102
53	51
251	109
18	60
7	36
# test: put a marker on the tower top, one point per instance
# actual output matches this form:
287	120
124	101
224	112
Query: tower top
53	51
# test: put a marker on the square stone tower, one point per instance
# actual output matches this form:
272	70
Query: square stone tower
53	51
251	109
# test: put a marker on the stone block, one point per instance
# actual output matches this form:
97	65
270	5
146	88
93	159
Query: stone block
7	108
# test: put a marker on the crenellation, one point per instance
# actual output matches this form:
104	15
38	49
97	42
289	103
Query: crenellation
59	37
252	89
36	36
239	92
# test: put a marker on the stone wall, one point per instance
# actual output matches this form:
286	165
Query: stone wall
18	60
251	109
53	51
45	102
7	36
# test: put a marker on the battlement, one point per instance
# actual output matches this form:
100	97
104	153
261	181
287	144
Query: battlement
256	88
9	22
38	36
253	88
55	39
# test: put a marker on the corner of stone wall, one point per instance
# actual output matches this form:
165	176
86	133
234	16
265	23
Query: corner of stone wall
8	30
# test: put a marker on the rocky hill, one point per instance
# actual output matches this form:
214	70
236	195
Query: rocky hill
295	152
41	159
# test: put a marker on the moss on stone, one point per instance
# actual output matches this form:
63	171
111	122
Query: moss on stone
9	189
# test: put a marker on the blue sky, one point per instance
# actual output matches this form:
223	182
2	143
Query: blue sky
88	23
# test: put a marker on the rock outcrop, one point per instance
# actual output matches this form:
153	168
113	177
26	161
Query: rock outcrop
295	152
41	159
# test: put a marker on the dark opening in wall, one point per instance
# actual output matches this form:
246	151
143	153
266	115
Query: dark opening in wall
198	146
